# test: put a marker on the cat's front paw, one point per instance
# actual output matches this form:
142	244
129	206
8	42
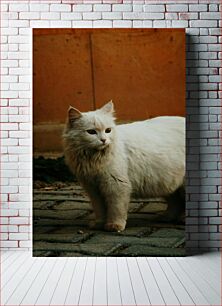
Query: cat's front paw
114	227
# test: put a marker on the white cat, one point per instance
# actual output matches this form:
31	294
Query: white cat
113	162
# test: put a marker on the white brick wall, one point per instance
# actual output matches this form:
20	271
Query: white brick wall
204	91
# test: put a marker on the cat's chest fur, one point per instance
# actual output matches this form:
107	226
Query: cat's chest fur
91	164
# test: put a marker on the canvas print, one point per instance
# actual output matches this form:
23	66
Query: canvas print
109	142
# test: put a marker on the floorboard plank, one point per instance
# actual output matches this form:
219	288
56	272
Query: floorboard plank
37	284
190	286
207	291
126	289
50	285
167	291
5	255
113	285
212	278
12	270
19	285
11	261
61	290
151	285
211	259
74	289
182	295
86	294
139	289
100	282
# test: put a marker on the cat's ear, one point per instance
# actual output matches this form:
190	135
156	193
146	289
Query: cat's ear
73	114
108	107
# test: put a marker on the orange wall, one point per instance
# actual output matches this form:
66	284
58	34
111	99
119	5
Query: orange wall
141	70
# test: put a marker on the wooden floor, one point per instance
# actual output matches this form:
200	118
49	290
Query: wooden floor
194	280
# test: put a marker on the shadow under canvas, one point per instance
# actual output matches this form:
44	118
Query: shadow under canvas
193	151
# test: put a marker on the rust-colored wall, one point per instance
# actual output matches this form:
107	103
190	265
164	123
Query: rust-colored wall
62	74
141	70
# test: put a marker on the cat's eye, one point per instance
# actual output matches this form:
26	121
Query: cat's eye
91	132
108	130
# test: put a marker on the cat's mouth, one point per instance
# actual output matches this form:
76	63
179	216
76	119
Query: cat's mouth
103	146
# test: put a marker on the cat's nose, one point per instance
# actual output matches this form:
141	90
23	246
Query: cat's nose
103	140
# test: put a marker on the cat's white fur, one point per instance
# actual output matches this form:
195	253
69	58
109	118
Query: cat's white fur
145	159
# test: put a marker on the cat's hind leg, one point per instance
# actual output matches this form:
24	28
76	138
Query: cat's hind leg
176	206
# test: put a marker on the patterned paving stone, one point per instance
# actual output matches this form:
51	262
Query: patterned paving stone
44	204
72	230
70	254
43	230
62	237
129	240
168	233
91	249
136	231
61	223
61	227
52	214
153	207
151	251
68	205
41	254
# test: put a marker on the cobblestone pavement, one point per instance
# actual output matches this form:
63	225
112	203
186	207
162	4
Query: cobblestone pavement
61	215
